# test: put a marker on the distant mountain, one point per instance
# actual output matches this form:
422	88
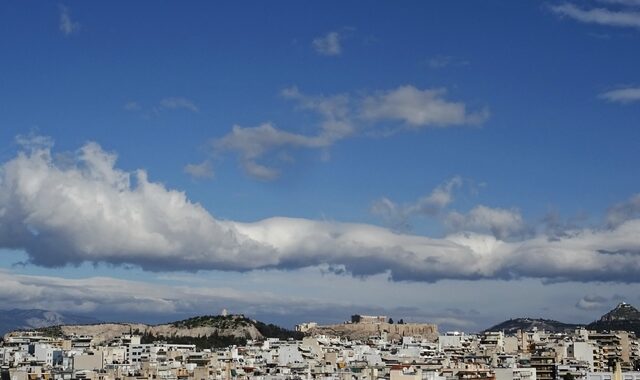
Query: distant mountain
204	331
623	317
19	319
528	324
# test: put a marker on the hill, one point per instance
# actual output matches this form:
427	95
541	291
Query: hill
623	317
21	319
360	331
528	324
204	331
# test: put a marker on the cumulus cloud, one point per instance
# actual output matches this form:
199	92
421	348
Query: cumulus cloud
335	112
329	44
87	210
556	227
66	25
203	170
179	103
622	95
252	143
623	211
33	141
91	211
430	205
340	116
591	302
501	223
601	16
419	108
594	302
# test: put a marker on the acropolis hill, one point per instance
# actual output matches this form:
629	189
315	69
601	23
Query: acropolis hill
368	326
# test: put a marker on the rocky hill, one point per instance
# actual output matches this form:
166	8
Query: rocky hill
361	331
623	317
528	324
17	319
203	331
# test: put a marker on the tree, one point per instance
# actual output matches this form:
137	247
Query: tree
390	321
356	318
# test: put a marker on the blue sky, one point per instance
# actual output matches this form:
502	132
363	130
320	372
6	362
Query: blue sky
445	151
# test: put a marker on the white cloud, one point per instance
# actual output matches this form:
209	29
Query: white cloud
90	211
132	106
630	3
622	95
419	108
328	44
623	211
334	110
592	302
442	61
179	103
203	170
431	205
67	26
555	226
33	141
601	16
252	143
168	103
501	223
340	116
439	61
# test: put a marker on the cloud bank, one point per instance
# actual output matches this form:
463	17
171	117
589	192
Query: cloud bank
113	297
84	209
